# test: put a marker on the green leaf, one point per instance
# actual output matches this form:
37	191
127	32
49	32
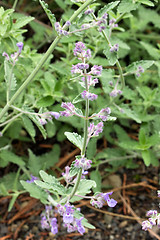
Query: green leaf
152	51
11	203
96	176
41	128
146	157
29	126
3	190
142	137
45	101
111	56
145	64
48	12
129	113
91	148
50	182
11	157
51	129
106	77
107	8
85	187
34	163
9	76
75	138
127	6
35	191
146	2
22	21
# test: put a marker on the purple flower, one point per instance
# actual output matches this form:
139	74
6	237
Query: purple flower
54	226
111	202
20	46
66	176
96	70
105	16
56	115
4	54
70	109
42	121
139	71
75	69
68	23
151	213
1	134
101	198
80	227
146	225
114	48
83	163
79	48
32	179
44	222
112	23
68	215
115	92
104	113
88	11
95	130
87	95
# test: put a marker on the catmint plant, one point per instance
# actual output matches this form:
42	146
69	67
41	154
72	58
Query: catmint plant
76	186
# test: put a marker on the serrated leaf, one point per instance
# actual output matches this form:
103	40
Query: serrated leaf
126	111
152	51
9	76
85	187
48	12
51	182
35	191
29	126
75	138
126	6
22	21
107	8
11	157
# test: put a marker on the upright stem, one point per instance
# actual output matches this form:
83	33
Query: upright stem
15	4
42	61
109	43
86	120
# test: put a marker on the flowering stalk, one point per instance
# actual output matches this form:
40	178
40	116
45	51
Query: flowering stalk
42	61
110	45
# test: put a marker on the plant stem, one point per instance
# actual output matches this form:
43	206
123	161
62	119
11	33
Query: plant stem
84	141
9	84
42	61
15	4
110	45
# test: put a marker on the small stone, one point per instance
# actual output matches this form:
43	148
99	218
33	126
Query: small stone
25	227
35	229
123	224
